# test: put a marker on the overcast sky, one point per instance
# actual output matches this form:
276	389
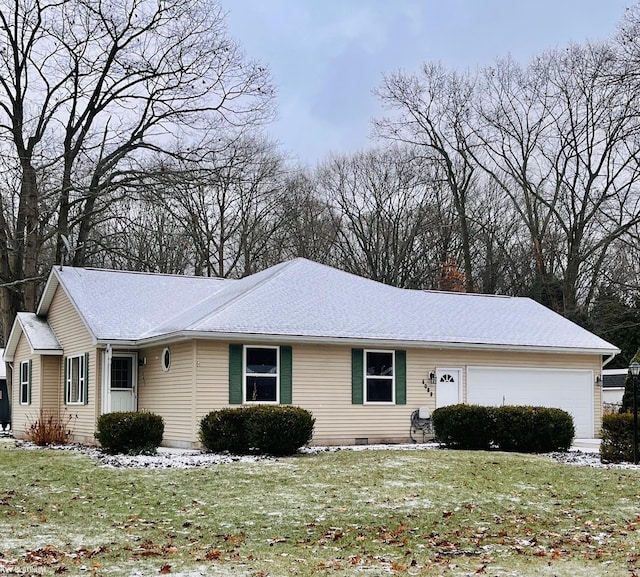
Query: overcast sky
327	56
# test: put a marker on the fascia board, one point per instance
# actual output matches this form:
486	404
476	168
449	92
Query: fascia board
344	341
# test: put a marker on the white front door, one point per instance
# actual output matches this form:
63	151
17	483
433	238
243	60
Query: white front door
121	380
448	387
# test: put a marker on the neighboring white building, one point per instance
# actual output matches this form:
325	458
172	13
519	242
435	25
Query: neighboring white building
613	386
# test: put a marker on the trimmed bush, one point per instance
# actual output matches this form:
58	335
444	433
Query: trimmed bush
507	428
464	426
616	445
278	430
130	433
533	429
265	429
224	430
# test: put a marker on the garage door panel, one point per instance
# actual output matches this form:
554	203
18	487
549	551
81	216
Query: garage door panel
571	390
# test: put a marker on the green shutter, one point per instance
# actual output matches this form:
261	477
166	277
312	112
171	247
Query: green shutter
357	376
235	374
64	379
286	376
401	377
85	392
29	382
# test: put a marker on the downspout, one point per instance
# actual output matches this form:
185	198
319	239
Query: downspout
608	360
107	379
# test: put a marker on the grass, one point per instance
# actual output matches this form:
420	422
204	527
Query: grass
344	513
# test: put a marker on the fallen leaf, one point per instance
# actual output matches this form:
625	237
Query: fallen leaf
213	555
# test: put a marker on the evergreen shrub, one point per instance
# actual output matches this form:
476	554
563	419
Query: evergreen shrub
616	445
464	426
224	430
507	428
130	433
263	429
533	429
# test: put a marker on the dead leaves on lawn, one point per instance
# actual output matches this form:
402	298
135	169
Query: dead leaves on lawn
52	557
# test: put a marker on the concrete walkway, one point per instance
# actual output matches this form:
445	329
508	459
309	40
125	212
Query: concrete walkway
587	445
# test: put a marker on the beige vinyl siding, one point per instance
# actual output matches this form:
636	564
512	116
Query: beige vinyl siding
170	393
212	385
75	339
464	359
322	384
23	415
50	374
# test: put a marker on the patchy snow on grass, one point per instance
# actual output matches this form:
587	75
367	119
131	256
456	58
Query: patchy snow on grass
168	458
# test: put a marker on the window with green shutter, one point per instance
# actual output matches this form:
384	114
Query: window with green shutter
357	376
260	374
401	377
286	376
378	377
235	374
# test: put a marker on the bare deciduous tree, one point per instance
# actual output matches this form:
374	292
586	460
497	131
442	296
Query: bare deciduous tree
432	113
90	91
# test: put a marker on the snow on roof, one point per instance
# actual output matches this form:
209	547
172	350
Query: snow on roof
308	299
120	305
38	333
300	298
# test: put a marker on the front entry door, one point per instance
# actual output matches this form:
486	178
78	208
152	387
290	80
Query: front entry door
123	380
448	387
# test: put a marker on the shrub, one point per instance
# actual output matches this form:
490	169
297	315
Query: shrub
616	445
49	429
464	426
131	433
278	430
533	429
266	429
508	428
224	430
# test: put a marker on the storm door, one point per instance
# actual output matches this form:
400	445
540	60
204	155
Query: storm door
121	372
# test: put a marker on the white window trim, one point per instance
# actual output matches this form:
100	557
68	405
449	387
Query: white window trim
24	383
82	369
245	374
391	378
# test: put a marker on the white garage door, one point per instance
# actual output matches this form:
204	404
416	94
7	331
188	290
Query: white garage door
571	390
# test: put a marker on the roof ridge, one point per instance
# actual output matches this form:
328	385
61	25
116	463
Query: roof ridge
141	272
274	274
225	281
217	295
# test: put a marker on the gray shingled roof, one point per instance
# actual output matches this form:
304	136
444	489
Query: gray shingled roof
300	298
38	333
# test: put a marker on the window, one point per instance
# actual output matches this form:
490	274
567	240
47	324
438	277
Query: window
166	359
76	380
379	377
261	374
274	369
25	382
121	372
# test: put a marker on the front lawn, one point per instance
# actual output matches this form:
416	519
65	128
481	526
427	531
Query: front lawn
367	513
